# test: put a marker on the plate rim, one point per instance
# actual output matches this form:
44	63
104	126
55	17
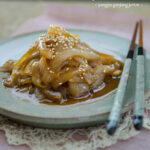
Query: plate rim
34	32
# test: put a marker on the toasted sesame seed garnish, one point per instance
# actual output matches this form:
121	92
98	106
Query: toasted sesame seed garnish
60	83
51	71
82	77
67	69
56	37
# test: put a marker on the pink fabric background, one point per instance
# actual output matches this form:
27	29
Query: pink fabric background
84	17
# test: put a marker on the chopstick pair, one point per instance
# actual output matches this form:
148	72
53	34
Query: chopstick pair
139	93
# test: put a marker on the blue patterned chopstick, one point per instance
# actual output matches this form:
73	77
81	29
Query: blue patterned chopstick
118	100
139	92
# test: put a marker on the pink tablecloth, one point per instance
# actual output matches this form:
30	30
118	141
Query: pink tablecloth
84	17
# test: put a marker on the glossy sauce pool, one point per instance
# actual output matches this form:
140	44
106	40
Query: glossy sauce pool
110	83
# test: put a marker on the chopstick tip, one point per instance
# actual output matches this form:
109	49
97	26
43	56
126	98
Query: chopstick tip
111	127
138	122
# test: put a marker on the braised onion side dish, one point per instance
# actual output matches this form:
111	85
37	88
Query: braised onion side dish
58	66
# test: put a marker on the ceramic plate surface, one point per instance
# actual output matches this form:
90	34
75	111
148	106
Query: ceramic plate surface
89	113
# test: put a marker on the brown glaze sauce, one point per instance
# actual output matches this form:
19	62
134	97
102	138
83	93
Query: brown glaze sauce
110	83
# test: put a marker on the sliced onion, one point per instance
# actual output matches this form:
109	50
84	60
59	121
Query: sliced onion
28	69
36	75
31	89
24	81
38	94
60	79
93	74
8	83
23	89
52	95
108	69
7	66
22	62
76	79
29	55
47	53
81	60
106	59
46	74
112	70
61	57
98	81
78	89
88	77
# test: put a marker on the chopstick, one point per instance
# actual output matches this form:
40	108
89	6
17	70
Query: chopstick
139	92
118	100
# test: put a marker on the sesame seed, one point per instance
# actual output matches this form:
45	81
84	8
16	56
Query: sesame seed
67	68
60	83
82	78
51	71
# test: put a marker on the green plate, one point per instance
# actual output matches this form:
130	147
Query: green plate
92	112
